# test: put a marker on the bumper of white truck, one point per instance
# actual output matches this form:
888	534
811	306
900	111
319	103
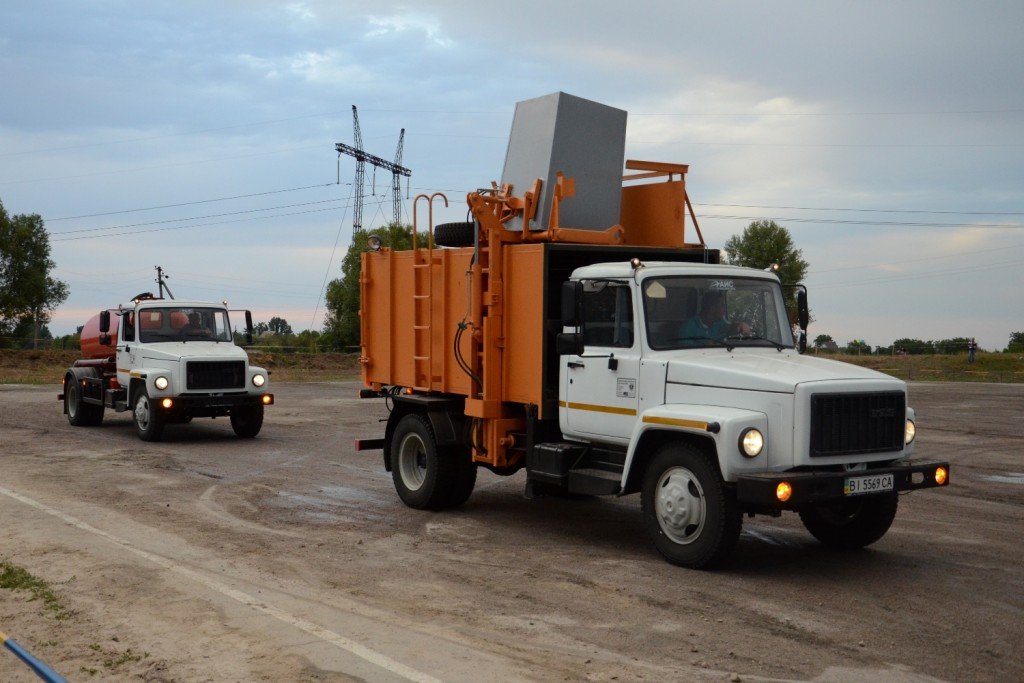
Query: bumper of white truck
215	406
790	490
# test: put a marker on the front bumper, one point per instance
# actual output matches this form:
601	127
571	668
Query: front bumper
759	489
212	406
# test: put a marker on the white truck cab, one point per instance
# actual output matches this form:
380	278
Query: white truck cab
682	381
171	361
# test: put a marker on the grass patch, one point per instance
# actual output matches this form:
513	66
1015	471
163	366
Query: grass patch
17	578
113	660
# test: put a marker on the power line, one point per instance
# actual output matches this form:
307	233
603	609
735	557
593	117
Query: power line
196	218
918	276
959	254
838	221
827	208
199	201
197	225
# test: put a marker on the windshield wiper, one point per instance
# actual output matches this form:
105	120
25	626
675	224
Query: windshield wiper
713	340
778	346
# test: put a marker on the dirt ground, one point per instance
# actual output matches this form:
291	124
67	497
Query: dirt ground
290	558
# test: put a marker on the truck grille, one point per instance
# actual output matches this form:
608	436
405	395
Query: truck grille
842	424
221	374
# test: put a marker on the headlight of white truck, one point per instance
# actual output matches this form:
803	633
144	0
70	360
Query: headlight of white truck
258	380
161	383
909	432
751	442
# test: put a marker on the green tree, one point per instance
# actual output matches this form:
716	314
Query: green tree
341	325
858	347
914	347
28	295
764	243
823	341
279	326
1016	344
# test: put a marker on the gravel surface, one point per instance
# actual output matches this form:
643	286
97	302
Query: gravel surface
290	557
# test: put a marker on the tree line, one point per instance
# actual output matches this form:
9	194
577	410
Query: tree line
910	347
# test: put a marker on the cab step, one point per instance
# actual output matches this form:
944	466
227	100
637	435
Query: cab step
594	482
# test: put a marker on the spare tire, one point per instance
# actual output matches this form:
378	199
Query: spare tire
455	234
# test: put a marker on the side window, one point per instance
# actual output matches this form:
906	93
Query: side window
607	314
128	323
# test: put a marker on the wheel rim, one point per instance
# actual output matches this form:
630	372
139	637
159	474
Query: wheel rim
412	461
73	399
680	505
142	412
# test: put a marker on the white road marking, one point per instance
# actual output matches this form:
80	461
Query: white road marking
309	627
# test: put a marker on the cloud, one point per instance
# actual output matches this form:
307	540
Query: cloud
328	67
403	22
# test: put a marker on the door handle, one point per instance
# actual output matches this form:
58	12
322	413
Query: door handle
576	364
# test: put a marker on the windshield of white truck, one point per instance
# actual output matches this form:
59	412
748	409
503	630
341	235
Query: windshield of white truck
171	324
698	312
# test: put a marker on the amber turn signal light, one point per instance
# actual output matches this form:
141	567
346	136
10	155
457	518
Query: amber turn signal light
783	491
941	476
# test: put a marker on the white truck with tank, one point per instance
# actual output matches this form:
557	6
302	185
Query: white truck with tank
167	361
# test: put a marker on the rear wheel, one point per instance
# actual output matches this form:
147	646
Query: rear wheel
426	476
247	421
851	524
80	413
149	419
692	518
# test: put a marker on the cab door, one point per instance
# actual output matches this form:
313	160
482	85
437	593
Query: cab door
126	347
602	384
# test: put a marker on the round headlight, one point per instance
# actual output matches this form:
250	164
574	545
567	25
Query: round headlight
161	382
751	442
909	432
258	380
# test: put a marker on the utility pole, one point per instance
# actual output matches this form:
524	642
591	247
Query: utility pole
161	277
396	182
361	156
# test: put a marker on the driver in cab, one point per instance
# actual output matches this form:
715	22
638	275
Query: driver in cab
711	322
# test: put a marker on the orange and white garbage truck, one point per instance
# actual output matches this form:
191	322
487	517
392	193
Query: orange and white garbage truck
573	330
167	361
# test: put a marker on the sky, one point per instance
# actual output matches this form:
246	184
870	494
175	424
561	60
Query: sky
888	138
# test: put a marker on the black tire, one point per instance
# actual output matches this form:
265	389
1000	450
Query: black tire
455	234
80	414
247	421
428	477
149	420
851	524
692	517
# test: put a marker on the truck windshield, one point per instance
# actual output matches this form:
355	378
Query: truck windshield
698	312
171	324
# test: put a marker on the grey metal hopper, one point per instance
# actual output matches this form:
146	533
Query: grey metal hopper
586	141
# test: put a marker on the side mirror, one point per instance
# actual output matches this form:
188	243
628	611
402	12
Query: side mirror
569	344
104	321
572	301
104	339
802	312
248	328
802	346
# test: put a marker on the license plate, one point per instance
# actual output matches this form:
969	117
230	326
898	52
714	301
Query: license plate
855	486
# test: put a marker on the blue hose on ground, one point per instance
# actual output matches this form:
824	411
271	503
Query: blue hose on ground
41	669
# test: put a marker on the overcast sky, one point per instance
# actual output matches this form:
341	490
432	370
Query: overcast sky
887	137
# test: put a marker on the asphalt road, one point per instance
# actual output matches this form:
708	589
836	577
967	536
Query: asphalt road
290	557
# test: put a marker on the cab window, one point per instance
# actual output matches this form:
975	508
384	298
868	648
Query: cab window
607	314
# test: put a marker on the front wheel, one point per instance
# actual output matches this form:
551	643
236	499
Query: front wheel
247	421
426	476
851	524
149	420
690	515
